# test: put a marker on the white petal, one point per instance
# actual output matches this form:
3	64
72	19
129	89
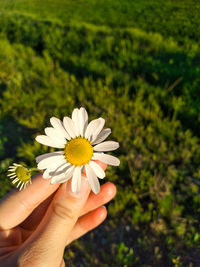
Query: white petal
69	126
61	169
83	120
76	180
46	155
102	136
15	180
97	169
51	162
75	118
92	126
106	146
47	141
98	129
55	134
58	178
92	179
19	184
12	175
61	178
46	174
57	124
108	159
69	172
51	171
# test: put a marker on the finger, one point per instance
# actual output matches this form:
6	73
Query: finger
108	191
94	201
87	222
36	216
62	263
52	233
18	205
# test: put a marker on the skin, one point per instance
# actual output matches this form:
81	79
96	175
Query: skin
37	224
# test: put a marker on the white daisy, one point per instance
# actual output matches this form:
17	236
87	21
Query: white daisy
82	145
20	175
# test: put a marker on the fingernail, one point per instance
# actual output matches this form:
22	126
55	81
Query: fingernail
83	190
103	214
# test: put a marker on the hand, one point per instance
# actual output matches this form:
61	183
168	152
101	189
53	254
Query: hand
37	223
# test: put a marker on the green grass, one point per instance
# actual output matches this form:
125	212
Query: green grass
135	63
179	19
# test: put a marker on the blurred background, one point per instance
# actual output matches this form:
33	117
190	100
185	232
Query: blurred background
137	64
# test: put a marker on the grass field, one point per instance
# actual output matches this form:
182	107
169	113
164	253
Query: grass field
179	19
137	64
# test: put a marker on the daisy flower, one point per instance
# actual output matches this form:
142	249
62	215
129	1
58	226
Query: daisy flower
20	174
82	144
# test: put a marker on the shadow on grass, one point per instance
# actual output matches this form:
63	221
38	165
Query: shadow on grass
12	134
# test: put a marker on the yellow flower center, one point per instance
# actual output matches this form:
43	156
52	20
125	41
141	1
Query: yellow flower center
78	151
23	174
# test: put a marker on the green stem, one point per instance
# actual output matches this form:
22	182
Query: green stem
34	169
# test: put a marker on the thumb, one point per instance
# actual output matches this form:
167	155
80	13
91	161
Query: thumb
49	240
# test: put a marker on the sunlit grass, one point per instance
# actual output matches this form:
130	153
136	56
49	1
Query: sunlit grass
136	63
179	19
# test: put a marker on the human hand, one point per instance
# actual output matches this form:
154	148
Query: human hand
37	224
